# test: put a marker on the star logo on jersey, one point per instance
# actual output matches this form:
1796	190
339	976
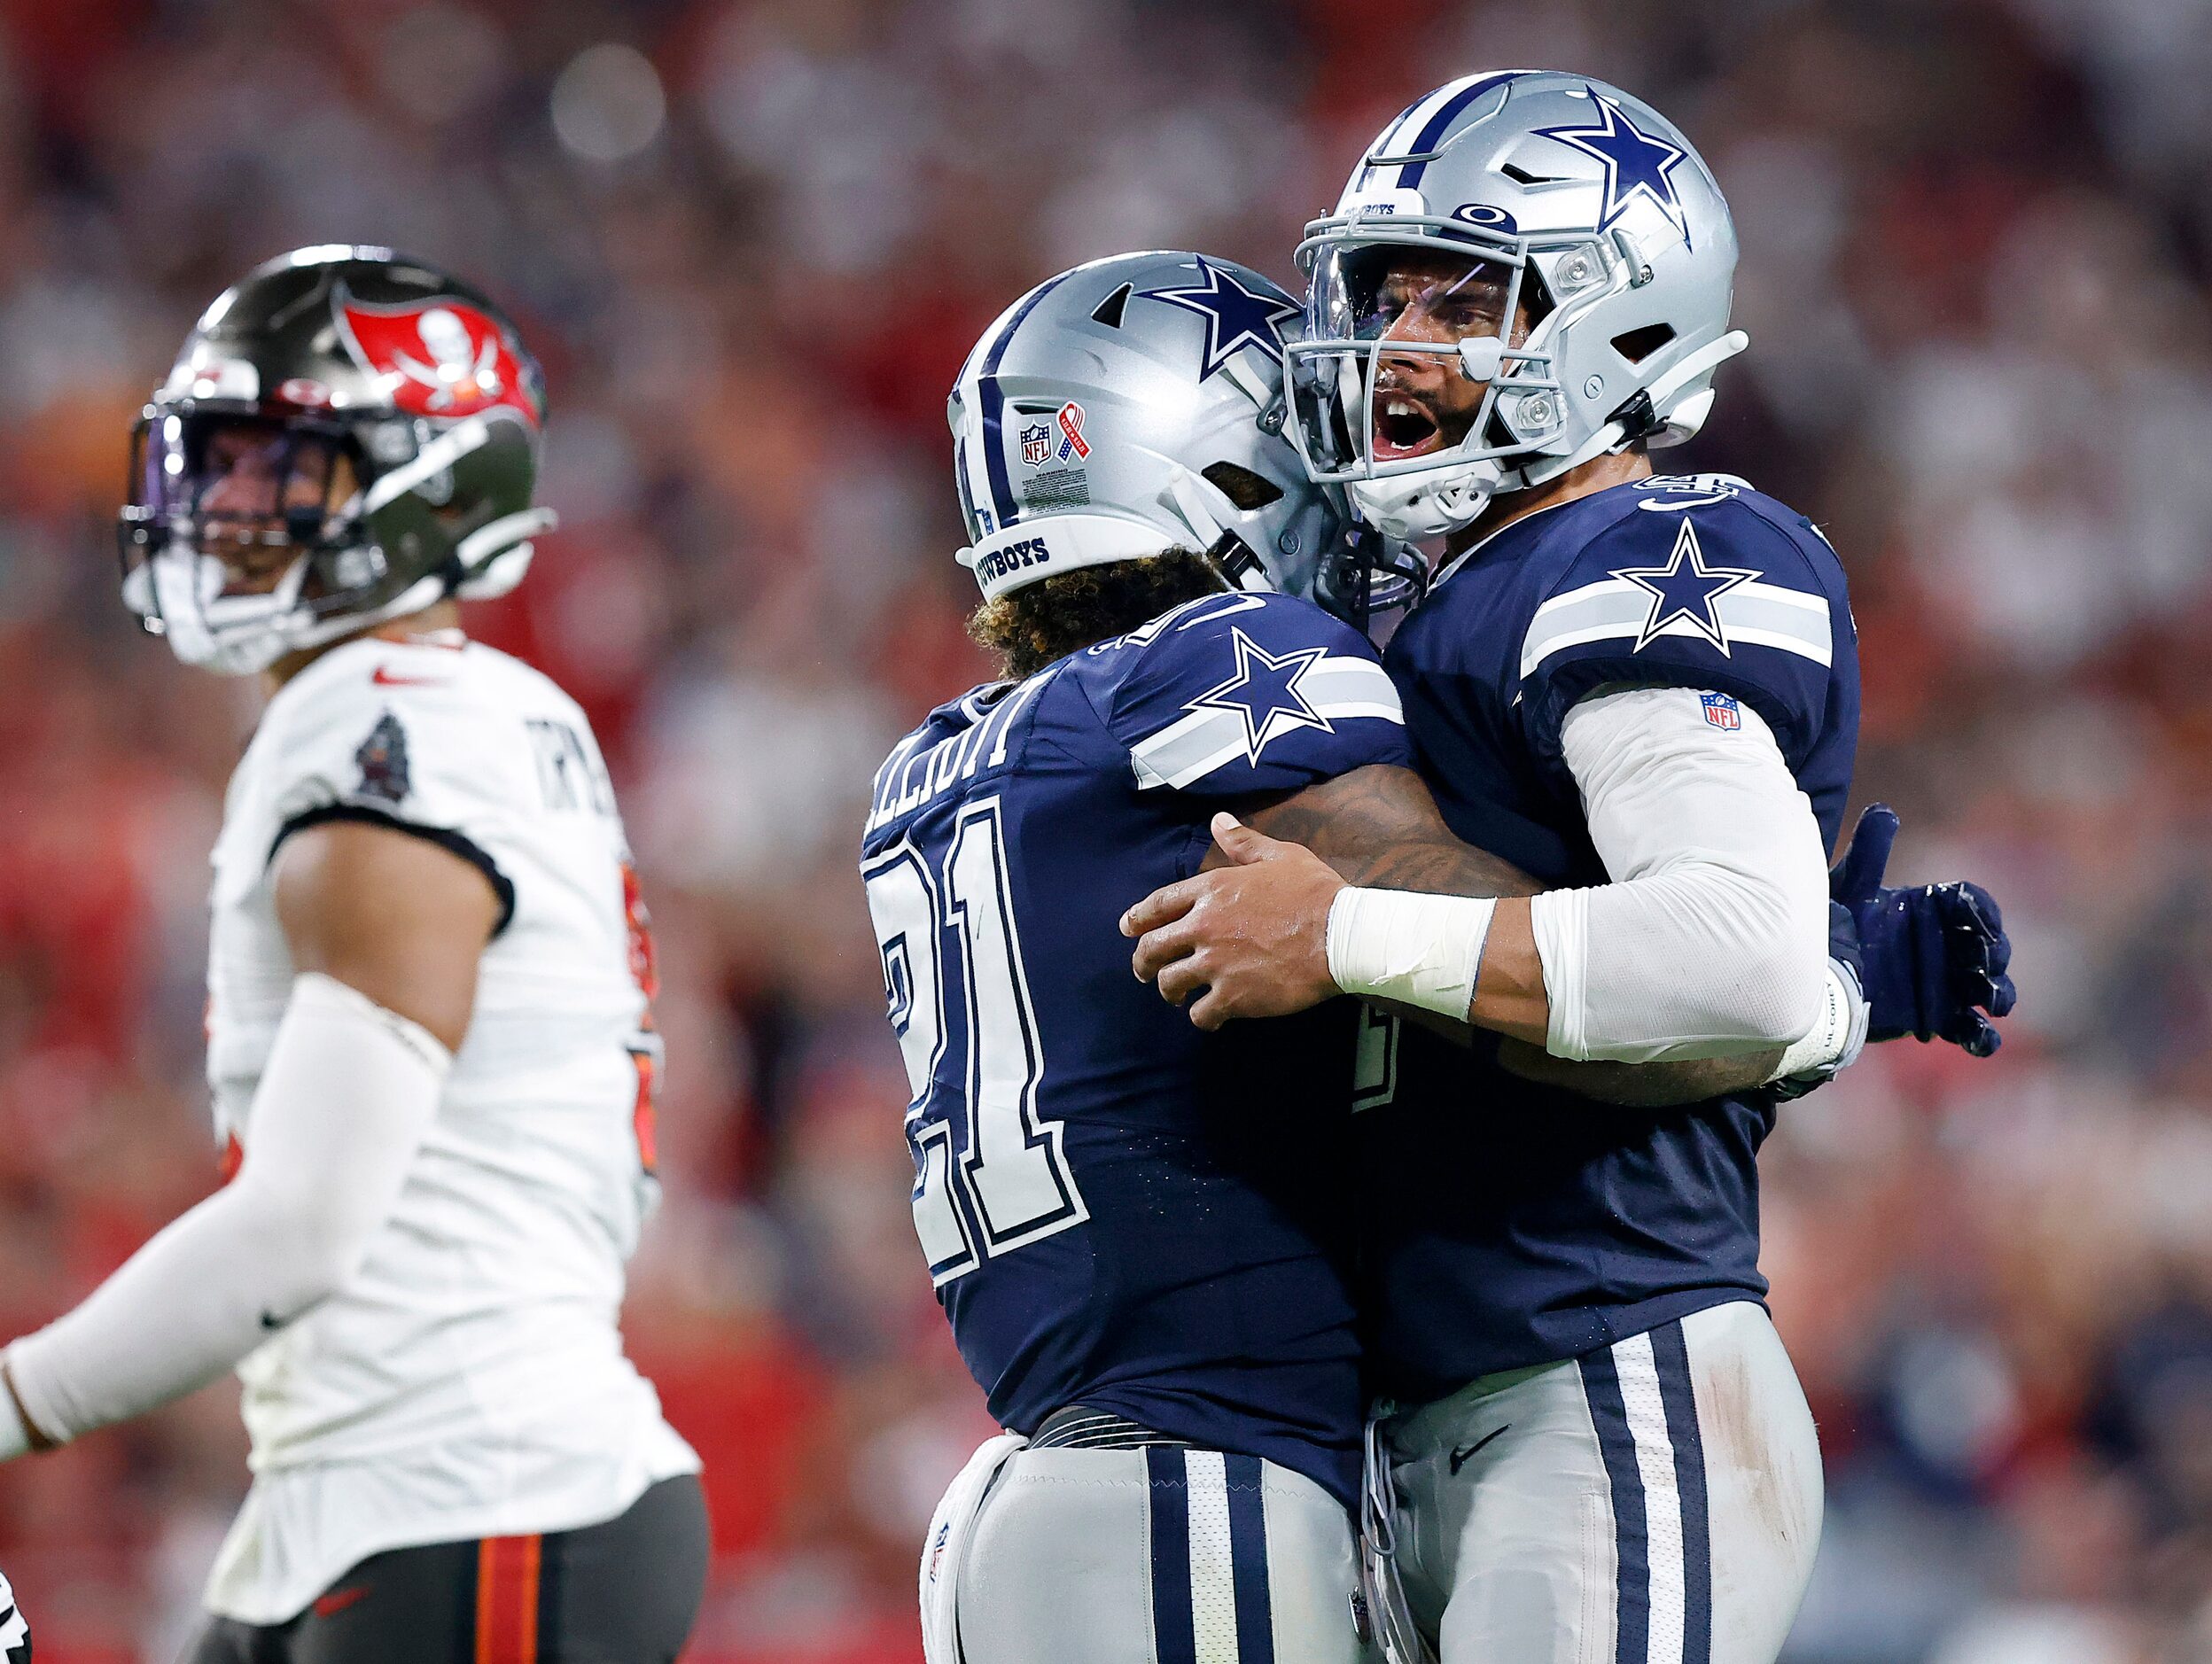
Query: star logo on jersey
1264	692
1685	589
1235	317
1637	163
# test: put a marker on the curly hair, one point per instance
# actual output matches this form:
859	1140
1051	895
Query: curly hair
1047	620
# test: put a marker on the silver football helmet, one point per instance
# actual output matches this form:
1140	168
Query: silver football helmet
1134	405
1527	271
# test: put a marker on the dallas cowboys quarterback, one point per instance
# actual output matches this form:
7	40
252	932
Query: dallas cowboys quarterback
429	1023
1138	1231
1644	692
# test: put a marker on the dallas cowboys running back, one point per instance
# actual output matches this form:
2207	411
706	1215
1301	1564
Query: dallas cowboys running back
1644	691
1144	1277
430	1037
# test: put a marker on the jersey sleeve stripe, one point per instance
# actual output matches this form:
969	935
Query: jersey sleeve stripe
1763	615
1338	680
456	842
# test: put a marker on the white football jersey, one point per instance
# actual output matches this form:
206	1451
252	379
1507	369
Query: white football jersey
469	1380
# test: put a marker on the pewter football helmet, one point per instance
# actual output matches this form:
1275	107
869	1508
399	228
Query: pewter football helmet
348	436
1134	405
1574	256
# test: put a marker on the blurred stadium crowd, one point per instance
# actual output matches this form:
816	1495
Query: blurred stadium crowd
752	240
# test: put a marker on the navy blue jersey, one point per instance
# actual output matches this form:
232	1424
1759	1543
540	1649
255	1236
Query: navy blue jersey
1118	1210
1507	1224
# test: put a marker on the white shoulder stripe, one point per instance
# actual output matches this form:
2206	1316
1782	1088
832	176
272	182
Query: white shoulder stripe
1336	689
1757	614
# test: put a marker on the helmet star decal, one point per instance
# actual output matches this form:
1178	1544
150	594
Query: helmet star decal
1264	692
1637	163
436	358
1685	589
1235	317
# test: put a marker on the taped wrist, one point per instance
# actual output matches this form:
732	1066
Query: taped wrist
1834	1040
1420	950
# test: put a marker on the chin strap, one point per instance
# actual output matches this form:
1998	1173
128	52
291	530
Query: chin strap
493	558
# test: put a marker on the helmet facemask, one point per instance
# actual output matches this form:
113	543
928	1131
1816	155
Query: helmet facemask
242	529
1427	381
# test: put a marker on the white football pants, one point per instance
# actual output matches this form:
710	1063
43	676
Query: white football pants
1657	1502
1159	1556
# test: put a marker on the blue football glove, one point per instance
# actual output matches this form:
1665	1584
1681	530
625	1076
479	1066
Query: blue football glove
1933	958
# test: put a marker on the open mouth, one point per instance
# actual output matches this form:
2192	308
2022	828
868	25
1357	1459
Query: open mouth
1403	428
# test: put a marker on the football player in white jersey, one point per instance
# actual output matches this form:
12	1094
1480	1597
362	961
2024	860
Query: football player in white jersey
430	1034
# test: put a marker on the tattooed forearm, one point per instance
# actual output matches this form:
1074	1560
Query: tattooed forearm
1378	826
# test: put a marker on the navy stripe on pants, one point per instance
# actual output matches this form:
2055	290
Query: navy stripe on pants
1602	1386
1174	1636
1248	1557
1671	1353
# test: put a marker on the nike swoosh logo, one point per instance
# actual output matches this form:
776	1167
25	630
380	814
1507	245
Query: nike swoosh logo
271	1320
338	1600
384	678
1460	1458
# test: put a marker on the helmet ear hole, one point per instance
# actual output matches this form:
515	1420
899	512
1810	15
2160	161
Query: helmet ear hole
1241	486
1636	345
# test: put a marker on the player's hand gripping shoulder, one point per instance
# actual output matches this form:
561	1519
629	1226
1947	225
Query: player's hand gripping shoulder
1249	935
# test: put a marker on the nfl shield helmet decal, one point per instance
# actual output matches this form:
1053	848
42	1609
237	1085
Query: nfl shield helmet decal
438	358
1036	444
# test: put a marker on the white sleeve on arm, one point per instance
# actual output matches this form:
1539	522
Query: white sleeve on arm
1712	939
349	1090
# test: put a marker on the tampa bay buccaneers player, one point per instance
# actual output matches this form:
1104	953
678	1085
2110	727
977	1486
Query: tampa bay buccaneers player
430	1037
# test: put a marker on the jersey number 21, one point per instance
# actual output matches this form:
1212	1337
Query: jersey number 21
1007	1165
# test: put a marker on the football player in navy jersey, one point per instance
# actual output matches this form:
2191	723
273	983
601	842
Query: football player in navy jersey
1138	1231
1643	691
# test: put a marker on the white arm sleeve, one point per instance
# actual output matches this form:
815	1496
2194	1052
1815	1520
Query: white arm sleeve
1712	939
348	1091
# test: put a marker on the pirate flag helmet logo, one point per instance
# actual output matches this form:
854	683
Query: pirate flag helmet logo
442	358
